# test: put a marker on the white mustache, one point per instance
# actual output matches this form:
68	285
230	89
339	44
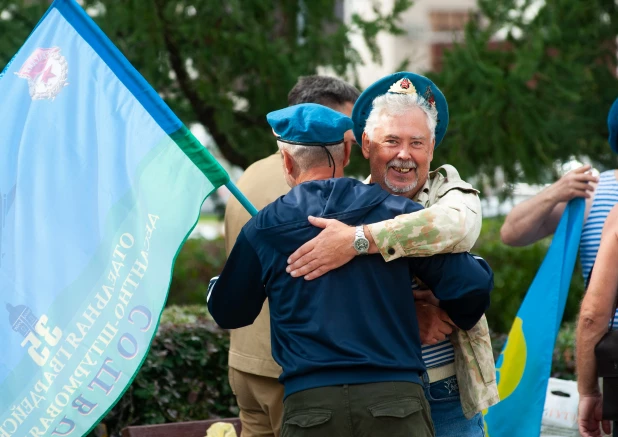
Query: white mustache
399	163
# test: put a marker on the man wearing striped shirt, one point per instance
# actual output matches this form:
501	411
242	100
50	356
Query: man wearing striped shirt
460	381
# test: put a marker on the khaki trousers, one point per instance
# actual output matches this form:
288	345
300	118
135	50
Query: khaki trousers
260	400
384	409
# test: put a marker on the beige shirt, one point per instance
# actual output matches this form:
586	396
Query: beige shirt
262	183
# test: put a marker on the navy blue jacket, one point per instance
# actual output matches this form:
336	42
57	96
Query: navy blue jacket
356	324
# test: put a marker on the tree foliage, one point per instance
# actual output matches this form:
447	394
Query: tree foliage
224	64
538	96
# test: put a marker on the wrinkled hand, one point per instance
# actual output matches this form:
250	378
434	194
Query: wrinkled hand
426	296
433	322
332	248
575	183
589	416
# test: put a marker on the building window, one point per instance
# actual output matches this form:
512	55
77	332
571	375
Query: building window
437	55
448	21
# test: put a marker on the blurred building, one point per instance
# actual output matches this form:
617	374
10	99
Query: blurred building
430	27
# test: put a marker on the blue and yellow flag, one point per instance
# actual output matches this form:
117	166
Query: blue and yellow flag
100	184
524	366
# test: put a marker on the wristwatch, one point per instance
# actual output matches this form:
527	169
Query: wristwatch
361	244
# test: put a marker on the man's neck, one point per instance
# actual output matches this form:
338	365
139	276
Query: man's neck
317	174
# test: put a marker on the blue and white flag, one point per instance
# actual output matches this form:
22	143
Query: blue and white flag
524	366
100	184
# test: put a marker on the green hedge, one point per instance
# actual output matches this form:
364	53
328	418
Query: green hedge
184	376
198	261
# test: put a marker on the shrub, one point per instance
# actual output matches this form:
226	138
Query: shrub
198	261
184	376
564	353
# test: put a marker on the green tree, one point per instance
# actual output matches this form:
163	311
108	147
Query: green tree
536	97
224	64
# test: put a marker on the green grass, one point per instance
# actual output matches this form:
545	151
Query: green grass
209	218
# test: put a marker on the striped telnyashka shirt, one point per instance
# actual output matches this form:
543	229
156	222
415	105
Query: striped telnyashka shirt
438	354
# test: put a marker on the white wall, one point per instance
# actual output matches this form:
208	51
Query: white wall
415	44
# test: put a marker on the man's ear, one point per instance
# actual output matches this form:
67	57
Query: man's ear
288	162
347	150
366	144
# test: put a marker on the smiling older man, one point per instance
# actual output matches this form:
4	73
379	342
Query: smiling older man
399	120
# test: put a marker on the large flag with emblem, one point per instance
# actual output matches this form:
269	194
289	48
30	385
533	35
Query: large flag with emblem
524	365
100	184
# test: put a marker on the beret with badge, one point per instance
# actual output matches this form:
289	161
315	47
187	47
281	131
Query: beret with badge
403	82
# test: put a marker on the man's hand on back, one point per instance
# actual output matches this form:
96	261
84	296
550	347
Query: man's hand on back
433	322
332	248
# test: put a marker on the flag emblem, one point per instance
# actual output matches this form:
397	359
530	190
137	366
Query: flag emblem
46	71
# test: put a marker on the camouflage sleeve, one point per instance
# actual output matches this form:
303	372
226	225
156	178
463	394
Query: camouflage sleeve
451	224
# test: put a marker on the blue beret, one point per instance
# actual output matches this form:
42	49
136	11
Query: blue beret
612	124
403	82
309	124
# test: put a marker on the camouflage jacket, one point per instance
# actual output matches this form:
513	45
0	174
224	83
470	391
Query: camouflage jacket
450	223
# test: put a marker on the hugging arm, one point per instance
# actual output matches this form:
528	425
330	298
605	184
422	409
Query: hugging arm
461	282
237	297
452	224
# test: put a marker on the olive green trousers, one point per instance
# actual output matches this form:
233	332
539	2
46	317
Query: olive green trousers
385	409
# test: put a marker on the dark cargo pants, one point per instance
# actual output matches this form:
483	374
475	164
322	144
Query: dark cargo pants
385	409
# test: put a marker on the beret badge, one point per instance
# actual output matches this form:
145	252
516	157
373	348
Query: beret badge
405	86
402	86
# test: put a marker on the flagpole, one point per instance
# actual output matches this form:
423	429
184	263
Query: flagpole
241	198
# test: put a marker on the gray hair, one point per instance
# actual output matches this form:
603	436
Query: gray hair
323	90
391	104
308	157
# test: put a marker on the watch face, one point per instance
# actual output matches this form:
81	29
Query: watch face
361	245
